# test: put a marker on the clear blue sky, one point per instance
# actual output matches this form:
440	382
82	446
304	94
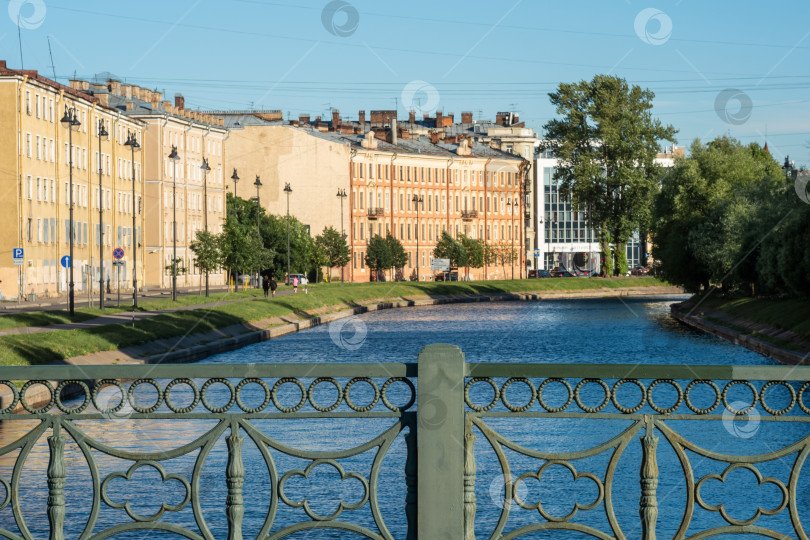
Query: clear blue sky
739	68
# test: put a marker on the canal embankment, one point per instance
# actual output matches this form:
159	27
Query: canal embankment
770	330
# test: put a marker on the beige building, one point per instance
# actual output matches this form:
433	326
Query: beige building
179	196
36	152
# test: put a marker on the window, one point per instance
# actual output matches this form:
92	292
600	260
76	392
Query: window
28	150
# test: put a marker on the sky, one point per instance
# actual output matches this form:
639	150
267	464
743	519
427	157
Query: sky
717	68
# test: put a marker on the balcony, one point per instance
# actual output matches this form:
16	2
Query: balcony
374	213
88	434
469	215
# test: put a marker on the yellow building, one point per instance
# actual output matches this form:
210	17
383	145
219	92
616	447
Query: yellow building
177	192
36	154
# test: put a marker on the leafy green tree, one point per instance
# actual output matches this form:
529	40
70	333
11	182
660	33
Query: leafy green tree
606	140
378	255
206	248
450	248
238	246
334	248
399	258
474	251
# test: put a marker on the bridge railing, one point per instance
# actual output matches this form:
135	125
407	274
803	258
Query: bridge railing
435	449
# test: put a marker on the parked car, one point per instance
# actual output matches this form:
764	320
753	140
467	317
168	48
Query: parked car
302	280
562	273
446	276
541	274
640	271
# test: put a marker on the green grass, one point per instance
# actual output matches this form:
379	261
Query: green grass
41	318
790	314
53	347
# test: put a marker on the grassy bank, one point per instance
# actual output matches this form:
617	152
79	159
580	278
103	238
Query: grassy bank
58	345
789	314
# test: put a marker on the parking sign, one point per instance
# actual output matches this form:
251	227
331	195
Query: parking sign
17	255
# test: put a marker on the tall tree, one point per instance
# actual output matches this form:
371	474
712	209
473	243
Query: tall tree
206	248
378	255
399	258
450	248
334	247
606	141
474	251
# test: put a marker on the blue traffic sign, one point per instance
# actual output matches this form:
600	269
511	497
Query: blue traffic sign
118	253
65	261
18	253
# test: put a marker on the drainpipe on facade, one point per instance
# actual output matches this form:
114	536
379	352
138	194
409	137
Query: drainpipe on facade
21	188
391	189
352	155
484	210
449	179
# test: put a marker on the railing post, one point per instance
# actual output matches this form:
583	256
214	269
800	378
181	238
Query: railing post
411	470
648	505
470	470
235	478
441	442
56	482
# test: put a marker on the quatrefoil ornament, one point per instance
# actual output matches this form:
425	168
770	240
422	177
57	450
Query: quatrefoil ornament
305	503
576	475
165	477
760	482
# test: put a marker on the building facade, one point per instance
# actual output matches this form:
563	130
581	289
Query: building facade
36	153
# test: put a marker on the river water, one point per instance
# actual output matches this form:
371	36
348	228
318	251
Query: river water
627	331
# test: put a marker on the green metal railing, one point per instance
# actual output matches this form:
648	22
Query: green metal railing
456	402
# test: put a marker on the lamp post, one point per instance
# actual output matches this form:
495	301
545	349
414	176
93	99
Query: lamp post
235	179
511	206
175	158
205	168
341	194
101	133
288	190
418	200
258	184
71	122
132	142
788	167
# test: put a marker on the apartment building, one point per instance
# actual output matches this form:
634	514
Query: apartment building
36	153
181	196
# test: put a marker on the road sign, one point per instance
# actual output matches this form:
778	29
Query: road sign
65	261
118	253
536	253
440	265
18	253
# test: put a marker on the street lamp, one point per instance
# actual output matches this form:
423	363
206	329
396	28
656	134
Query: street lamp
288	190
132	142
101	133
788	167
418	200
258	184
205	168
511	207
175	158
235	179
71	122
342	195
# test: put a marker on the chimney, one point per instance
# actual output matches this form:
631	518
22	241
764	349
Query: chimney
439	119
394	131
128	91
130	104
115	87
303	118
104	99
466	117
412	116
335	119
179	102
362	115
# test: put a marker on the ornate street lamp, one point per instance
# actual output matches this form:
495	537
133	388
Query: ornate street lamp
205	168
235	179
175	157
132	142
341	194
258	184
418	200
101	133
71	122
288	190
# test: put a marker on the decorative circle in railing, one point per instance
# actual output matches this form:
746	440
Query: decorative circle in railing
663	410
532	390
94	395
562	407
231	394
190	384
363	408
15	397
384	394
777	412
599	407
495	392
45	408
57	394
688	399
732	410
800	397
311	394
245	382
274	394
615	398
145	410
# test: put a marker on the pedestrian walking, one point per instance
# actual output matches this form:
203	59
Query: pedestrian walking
295	285
273	286
266	285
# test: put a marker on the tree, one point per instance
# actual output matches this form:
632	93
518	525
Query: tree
606	141
334	247
449	248
378	255
238	246
399	258
206	248
474	251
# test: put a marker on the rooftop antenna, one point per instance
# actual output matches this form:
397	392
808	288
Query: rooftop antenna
19	37
50	52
